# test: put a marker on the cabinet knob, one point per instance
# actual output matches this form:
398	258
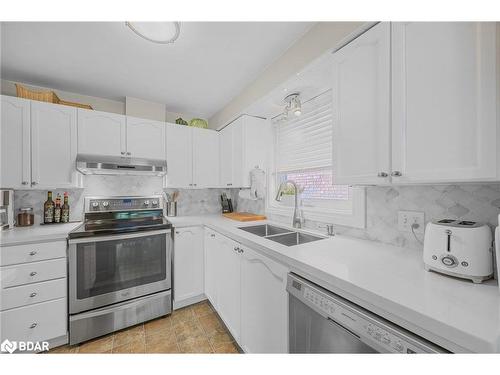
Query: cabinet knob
32	253
24	182
382	174
34	183
396	174
33	273
190	184
123	152
212	235
129	153
33	325
33	295
195	184
177	232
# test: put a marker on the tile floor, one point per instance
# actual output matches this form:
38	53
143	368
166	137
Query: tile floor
193	329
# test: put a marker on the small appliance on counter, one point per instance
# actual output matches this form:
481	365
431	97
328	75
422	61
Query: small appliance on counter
227	205
6	209
459	248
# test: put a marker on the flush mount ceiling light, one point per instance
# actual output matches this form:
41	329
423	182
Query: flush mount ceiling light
293	104
156	32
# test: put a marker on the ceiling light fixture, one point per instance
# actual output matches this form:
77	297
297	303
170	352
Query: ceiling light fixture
156	32
293	104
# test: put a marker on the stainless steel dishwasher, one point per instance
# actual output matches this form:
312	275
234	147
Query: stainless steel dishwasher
323	322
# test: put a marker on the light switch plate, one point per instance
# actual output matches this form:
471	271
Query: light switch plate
407	218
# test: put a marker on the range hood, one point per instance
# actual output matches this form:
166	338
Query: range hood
116	165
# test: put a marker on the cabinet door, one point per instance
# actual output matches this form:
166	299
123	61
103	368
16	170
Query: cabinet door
444	95
228	285
237	152
101	133
205	158
211	244
188	264
264	304
145	138
226	156
361	108
53	145
179	156
256	136
15	134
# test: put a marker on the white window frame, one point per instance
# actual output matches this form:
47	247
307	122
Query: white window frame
354	216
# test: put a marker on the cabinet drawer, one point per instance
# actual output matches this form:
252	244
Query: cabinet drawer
32	272
40	322
32	252
33	293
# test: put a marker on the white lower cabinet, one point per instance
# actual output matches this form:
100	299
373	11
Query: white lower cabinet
33	292
188	267
248	291
264	304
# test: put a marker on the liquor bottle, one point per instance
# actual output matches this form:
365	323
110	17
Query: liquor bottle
57	209
48	209
65	209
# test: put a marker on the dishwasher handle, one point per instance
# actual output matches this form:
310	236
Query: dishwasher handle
343	328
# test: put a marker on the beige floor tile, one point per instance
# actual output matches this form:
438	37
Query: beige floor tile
202	308
228	348
162	347
136	346
211	324
195	345
158	325
189	329
99	345
161	338
129	335
65	349
219	338
183	315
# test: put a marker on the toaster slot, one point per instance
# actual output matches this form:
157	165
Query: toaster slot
448	239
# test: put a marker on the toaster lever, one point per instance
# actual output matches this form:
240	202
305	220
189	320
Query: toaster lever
448	233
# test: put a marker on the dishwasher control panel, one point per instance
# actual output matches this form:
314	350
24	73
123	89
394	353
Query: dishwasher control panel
366	326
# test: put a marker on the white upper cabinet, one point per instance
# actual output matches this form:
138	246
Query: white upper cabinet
192	157
145	138
244	145
101	133
15	143
205	158
264	304
361	108
53	145
444	98
179	156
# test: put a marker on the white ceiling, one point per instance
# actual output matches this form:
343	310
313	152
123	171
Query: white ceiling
200	73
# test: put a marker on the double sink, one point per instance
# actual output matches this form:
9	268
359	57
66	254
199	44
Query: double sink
283	236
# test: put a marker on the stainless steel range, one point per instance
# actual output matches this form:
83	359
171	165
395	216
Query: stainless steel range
119	266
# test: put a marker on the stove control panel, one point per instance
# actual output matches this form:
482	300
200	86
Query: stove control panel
107	204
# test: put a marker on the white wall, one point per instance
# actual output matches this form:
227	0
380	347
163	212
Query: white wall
322	37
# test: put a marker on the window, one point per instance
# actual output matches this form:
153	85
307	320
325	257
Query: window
303	153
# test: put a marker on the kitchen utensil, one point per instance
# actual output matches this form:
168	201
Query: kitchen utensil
6	209
175	195
459	248
171	209
25	217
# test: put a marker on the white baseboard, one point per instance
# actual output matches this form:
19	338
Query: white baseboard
189	301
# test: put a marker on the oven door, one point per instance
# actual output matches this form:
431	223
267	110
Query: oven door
110	269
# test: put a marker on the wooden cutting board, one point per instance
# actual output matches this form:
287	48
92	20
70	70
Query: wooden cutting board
244	216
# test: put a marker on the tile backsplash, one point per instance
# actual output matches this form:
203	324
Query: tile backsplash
476	202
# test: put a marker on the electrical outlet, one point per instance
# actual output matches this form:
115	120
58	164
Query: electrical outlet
407	218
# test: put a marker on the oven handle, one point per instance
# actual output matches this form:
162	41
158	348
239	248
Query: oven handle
115	237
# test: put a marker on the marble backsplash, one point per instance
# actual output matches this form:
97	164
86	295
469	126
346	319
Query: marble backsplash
476	202
190	202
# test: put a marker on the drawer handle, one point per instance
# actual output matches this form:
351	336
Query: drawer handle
33	273
33	253
33	325
33	295
212	235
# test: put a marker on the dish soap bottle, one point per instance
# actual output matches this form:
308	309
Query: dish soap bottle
57	209
65	209
48	209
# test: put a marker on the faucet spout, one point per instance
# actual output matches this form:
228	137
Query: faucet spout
297	219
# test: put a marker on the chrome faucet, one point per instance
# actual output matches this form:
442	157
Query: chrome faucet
297	214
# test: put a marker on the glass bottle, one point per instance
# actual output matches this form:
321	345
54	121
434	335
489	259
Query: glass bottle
48	209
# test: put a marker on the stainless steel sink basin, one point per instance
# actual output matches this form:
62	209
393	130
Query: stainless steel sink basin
294	238
264	230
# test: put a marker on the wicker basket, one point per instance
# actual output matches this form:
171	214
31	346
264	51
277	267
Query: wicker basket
43	96
73	104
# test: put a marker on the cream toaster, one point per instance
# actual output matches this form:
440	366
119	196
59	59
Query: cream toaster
459	248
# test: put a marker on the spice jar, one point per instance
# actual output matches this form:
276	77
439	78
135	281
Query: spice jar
25	217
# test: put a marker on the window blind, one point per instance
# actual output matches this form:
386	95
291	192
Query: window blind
305	142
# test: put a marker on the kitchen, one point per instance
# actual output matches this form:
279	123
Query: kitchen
339	198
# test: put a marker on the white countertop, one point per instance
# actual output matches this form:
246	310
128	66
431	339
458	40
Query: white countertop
388	280
36	233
